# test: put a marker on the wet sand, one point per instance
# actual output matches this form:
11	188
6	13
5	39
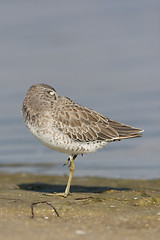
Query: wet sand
98	208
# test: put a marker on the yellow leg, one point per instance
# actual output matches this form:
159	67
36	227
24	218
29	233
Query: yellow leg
72	168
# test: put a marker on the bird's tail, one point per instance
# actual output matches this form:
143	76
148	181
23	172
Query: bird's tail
125	131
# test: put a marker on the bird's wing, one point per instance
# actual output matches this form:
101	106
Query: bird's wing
82	124
125	131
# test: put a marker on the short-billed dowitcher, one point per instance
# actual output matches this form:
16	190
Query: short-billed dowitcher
67	127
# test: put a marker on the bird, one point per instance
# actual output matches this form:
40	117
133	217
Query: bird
68	127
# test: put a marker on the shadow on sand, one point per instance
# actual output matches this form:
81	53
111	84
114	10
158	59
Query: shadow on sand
50	188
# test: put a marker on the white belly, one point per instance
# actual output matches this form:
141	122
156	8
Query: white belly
62	143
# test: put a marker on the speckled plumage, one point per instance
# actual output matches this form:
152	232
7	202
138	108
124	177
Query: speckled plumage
68	127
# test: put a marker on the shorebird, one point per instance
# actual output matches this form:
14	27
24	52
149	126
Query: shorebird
67	127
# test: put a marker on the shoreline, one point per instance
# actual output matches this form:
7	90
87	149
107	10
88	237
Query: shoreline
97	208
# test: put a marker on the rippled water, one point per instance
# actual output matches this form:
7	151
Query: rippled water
103	55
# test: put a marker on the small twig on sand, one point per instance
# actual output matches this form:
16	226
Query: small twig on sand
84	198
36	203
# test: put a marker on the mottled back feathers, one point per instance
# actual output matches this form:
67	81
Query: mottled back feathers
84	125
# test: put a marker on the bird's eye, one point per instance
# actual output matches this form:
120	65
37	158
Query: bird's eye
51	93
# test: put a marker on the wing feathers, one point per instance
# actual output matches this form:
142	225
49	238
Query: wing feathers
84	125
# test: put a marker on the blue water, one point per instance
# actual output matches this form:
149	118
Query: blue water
104	55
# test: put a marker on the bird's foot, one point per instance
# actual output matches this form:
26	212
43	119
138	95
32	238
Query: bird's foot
71	158
68	161
58	194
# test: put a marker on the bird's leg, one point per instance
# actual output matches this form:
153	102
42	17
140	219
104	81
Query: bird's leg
72	168
68	160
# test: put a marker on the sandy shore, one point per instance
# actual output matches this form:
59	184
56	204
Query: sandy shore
98	208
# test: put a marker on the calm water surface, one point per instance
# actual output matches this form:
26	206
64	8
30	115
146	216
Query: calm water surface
104	55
